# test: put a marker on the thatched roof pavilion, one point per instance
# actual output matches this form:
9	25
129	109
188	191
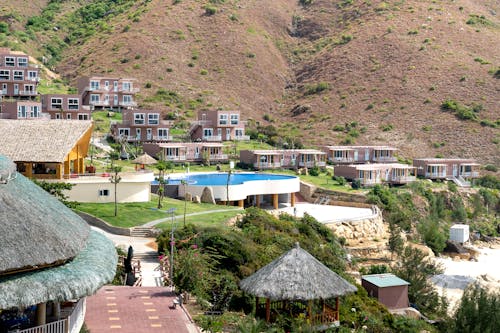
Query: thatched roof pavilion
296	276
144	159
48	253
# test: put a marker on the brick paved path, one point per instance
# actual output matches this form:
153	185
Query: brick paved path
135	310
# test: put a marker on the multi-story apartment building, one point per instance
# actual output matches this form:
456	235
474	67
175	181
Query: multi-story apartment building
18	79
21	109
142	125
179	152
60	106
108	92
218	126
360	154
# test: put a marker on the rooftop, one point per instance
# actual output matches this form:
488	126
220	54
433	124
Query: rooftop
384	280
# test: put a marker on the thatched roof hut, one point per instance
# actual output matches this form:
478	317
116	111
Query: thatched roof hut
48	253
297	276
145	159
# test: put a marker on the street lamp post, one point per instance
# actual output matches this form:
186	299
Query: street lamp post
172	243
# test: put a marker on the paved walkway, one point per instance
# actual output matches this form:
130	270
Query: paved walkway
135	310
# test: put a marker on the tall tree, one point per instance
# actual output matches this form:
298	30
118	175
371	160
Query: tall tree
115	179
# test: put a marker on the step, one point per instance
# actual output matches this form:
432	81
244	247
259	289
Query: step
140	232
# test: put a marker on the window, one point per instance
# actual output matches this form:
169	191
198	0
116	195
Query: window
94	85
4	74
21	111
223	119
207	131
127	99
235	119
22	62
153	118
56	103
29	89
238	132
19	75
73	103
163	132
68	115
58	116
106	85
104	193
126	86
34	111
33	75
83	116
94	98
138	118
124	132
10	61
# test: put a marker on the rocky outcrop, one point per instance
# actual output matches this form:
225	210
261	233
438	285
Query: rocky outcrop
207	195
370	228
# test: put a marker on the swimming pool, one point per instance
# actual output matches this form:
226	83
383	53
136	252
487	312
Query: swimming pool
241	185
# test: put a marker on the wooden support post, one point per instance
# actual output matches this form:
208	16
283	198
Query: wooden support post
257	200
292	199
59	171
241	203
29	170
256	306
268	310
309	310
337	304
66	167
275	201
56	310
41	313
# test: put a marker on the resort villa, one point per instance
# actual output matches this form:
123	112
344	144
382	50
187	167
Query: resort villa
142	126
446	168
284	158
378	173
18	78
51	259
64	106
218	125
180	152
104	92
360	154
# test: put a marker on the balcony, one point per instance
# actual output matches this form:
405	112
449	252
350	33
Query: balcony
311	164
267	165
385	159
402	179
370	181
441	174
162	138
212	138
175	157
27	92
241	138
128	91
470	174
127	104
218	157
341	159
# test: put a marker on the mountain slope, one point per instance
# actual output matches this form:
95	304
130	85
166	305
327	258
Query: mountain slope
384	68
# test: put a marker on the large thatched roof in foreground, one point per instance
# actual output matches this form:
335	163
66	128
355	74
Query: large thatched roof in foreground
92	268
40	140
36	229
296	275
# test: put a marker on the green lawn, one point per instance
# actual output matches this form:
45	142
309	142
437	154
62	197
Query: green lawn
205	220
103	122
135	214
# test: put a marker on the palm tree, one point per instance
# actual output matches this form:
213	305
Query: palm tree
161	166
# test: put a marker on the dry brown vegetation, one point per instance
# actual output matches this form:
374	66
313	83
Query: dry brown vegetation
386	65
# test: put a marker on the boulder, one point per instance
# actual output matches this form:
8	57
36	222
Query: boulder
188	196
196	199
207	195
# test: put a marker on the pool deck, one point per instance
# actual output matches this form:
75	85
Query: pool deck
328	213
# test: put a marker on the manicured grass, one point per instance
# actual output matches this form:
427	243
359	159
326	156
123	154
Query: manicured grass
135	214
102	122
205	220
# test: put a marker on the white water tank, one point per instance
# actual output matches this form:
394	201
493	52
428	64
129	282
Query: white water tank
459	233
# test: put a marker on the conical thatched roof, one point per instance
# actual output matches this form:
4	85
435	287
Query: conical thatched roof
144	159
35	228
296	275
47	252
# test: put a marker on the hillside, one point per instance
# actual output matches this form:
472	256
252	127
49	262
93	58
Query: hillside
382	67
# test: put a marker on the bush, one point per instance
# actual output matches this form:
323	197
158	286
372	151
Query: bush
491	167
356	184
210	10
340	180
489	181
311	89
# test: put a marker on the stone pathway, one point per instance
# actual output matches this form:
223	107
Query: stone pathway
136	310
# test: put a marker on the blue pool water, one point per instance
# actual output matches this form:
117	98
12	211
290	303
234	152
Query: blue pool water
221	178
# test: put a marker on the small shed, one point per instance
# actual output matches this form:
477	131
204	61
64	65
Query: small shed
459	233
389	289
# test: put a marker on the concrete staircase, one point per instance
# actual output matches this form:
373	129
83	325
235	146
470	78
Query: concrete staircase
459	181
143	232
